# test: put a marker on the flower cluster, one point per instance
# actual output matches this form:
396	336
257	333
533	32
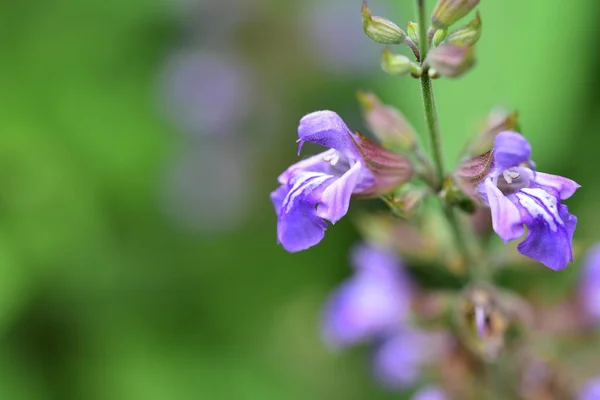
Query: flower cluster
374	306
496	187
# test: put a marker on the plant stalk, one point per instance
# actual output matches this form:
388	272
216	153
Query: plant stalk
436	145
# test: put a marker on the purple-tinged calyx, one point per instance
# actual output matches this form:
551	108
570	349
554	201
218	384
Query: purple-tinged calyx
519	196
387	123
319	188
447	12
451	60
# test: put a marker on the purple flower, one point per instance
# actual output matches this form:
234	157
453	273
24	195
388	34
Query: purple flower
518	195
319	188
590	391
430	393
372	303
589	286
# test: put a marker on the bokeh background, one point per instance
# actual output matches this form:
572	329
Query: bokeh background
139	143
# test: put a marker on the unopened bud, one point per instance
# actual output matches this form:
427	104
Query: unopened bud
380	29
447	12
387	123
439	37
413	32
467	34
499	120
451	60
397	64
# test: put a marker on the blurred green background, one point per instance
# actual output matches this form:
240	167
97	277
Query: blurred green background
140	141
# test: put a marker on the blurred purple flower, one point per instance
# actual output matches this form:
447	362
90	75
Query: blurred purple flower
341	47
319	188
207	94
590	391
589	284
372	303
430	393
400	357
518	195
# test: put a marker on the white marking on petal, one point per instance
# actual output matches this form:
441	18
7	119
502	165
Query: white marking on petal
301	187
531	198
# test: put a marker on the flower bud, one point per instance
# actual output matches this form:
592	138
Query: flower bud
499	120
380	29
387	123
447	12
467	34
396	64
439	37
450	60
413	32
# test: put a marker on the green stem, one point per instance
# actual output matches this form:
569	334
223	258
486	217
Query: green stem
432	126
436	145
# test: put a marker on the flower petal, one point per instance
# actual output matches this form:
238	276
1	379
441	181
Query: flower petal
371	303
362	308
377	260
326	128
589	284
506	218
399	357
551	229
591	390
298	228
335	200
277	197
563	186
314	163
430	393
510	150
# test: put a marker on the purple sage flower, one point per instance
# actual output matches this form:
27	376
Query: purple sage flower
400	357
590	391
589	286
372	303
518	195
430	393
319	188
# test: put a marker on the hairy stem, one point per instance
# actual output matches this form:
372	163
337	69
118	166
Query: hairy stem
432	126
436	145
428	99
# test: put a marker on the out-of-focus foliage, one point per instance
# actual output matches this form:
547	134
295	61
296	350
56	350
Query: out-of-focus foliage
122	277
